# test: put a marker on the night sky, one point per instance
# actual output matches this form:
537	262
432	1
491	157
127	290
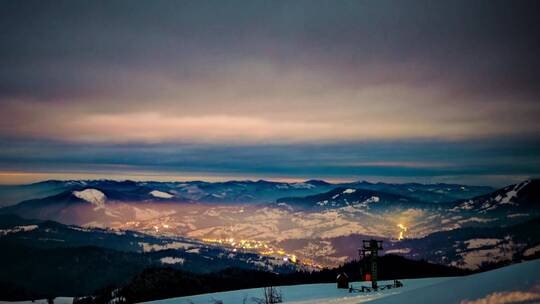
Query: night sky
338	90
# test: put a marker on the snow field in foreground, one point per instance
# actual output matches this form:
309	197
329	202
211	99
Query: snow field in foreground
299	294
519	283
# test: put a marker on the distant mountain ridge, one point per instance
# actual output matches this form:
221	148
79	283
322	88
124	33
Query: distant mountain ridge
355	197
260	191
105	202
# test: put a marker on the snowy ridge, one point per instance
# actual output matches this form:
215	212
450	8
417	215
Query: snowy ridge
325	293
510	195
18	229
172	260
93	196
160	194
506	197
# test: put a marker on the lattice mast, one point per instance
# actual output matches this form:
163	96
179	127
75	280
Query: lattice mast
371	248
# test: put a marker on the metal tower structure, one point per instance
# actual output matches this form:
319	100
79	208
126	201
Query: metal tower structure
371	248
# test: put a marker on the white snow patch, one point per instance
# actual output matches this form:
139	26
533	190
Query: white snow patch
510	195
322	203
475	258
476	219
468	205
172	260
93	196
349	191
365	204
478	243
398	251
285	205
160	194
194	250
17	229
157	247
77	228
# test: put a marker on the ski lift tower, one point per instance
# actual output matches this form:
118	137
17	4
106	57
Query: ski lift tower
371	248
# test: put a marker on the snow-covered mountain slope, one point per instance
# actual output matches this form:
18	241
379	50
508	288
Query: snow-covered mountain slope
509	205
433	193
93	196
352	197
302	294
161	194
520	283
521	197
474	247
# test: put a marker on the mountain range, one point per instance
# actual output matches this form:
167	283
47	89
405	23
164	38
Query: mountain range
229	192
319	222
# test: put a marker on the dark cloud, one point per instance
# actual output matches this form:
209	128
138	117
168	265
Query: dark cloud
70	48
356	85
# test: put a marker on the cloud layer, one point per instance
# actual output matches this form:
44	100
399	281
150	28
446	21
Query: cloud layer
255	73
267	71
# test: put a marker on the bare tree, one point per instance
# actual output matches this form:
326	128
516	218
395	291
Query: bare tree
272	295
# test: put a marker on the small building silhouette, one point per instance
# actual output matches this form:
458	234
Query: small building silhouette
342	280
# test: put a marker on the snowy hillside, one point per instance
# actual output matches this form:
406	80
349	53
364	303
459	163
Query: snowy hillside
520	282
300	294
93	196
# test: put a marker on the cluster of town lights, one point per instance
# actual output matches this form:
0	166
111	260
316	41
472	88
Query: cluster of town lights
402	231
260	247
165	226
